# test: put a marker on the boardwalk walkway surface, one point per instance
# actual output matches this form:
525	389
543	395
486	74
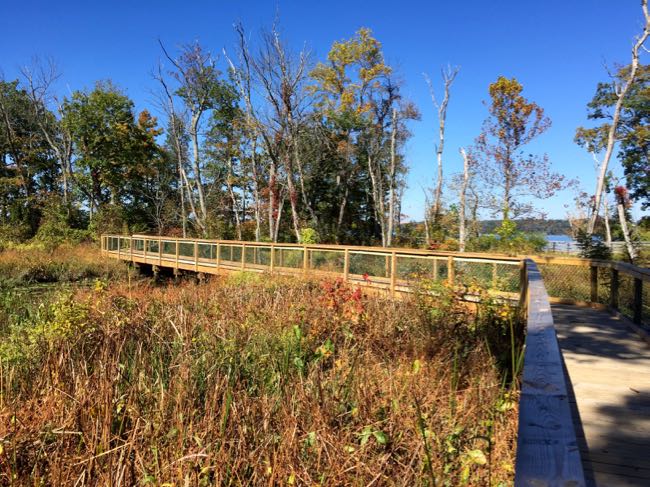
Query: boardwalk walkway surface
609	370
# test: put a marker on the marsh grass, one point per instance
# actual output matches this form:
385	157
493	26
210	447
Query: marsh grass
26	265
266	380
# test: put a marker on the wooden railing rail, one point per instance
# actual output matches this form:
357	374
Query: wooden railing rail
547	448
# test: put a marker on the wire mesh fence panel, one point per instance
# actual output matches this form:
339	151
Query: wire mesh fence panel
327	260
567	281
207	251
412	268
626	294
138	245
230	254
125	243
152	246
374	265
112	243
169	248
482	274
286	257
186	249
259	256
604	288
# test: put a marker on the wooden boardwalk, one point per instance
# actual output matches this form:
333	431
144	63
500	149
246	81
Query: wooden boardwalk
608	368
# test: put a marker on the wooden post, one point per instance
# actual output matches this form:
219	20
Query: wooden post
523	289
196	256
177	252
272	263
613	294
638	300
160	252
435	269
218	255
131	248
495	274
450	269
119	243
144	250
346	264
243	256
305	259
393	272
593	270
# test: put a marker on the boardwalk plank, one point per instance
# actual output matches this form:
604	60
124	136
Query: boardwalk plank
609	372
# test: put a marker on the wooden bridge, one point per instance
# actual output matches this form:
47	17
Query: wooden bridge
584	410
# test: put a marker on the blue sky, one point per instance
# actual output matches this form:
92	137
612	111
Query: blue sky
556	49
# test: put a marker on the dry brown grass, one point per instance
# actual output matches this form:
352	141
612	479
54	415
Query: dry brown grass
30	264
256	380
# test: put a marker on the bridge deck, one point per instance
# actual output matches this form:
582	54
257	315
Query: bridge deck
609	370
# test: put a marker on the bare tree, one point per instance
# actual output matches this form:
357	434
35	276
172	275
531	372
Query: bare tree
199	85
39	79
462	234
621	92
448	76
281	75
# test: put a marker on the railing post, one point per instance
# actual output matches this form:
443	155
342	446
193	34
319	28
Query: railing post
243	256
523	288
144	249
131	248
613	294
305	259
119	243
218	255
450	270
346	264
196	256
594	283
638	300
272	263
160	252
435	269
177	252
393	272
495	274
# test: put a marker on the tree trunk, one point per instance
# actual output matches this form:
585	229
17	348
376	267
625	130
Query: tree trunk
611	135
461	209
631	251
391	179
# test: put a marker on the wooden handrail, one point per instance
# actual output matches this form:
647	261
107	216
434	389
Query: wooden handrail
547	448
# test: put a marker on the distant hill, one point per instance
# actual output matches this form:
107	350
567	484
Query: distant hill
532	225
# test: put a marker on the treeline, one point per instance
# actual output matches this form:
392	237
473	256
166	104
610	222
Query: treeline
262	144
267	143
531	225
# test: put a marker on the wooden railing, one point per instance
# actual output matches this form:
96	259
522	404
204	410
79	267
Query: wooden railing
547	452
547	448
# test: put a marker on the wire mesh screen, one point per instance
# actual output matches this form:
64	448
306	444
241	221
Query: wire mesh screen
152	246
289	257
186	249
169	248
258	256
207	251
413	268
374	265
327	260
497	276
138	245
567	281
230	254
125	243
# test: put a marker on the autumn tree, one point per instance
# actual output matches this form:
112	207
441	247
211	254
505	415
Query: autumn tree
504	167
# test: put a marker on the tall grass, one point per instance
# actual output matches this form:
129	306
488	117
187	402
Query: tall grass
256	380
31	264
